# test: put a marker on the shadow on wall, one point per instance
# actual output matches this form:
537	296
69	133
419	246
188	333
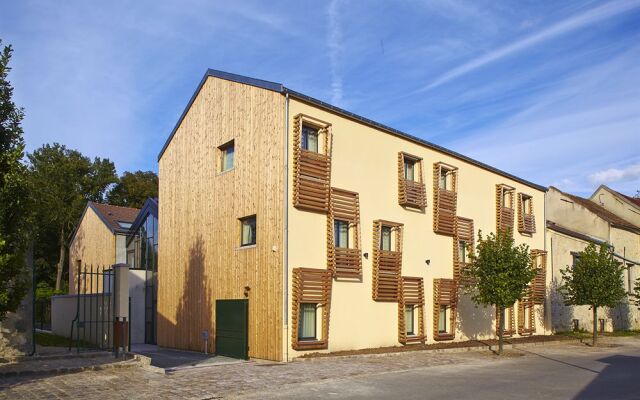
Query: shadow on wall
620	316
618	380
561	314
195	311
475	322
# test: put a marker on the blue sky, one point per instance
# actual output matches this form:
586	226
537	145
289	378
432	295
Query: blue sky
549	91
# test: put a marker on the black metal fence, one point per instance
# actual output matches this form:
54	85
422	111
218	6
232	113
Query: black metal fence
43	314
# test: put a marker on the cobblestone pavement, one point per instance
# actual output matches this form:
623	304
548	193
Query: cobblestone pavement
254	378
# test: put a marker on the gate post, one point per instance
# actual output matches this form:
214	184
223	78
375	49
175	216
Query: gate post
121	308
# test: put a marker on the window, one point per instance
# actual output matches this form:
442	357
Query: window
506	198
462	248
248	231
385	238
124	225
409	169
576	258
442	320
408	319
307	328
227	152
309	138
443	179
526	205
341	233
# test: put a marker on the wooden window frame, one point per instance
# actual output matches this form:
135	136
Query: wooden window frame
315	324
311	170
445	293
344	262
412	193
387	265
464	232
221	156
526	321
255	229
526	216
445	201
411	294
505	212
311	285
510	328
539	283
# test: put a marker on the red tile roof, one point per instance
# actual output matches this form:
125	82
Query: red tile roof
112	215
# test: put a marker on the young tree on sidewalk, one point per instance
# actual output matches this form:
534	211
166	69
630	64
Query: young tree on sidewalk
500	272
595	280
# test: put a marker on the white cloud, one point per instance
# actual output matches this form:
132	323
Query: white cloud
627	174
592	16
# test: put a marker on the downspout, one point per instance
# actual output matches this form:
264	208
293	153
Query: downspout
285	228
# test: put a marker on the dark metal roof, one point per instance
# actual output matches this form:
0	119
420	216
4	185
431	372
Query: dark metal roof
149	207
278	87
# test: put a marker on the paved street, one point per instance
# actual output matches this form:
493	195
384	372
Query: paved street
558	371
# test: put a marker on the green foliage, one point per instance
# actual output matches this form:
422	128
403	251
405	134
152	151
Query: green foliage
62	181
636	293
134	188
596	279
14	199
44	291
501	271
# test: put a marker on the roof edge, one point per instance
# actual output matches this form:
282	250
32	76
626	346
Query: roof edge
150	206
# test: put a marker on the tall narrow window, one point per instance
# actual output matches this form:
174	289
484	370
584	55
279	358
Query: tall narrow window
411	188
443	179
307	329
408	319
385	238
409	169
248	231
462	251
341	233
442	320
227	152
309	140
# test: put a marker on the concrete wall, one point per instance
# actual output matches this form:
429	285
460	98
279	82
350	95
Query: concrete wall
562	210
121	249
616	205
136	292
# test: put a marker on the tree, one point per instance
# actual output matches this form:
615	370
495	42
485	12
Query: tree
62	181
14	202
636	293
134	188
500	272
596	280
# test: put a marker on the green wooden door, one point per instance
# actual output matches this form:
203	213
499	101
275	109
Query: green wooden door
232	328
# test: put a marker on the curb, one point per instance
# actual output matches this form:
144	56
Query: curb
68	370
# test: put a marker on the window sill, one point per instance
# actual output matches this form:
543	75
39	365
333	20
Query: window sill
226	171
251	246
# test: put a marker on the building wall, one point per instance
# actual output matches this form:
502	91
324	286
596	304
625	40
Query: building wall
618	206
365	160
562	210
94	245
199	255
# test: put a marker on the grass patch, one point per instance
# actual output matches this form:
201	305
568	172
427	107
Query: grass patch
622	333
581	334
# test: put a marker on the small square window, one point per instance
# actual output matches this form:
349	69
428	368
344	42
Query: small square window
442	320
248	231
341	233
385	238
227	153
409	169
408	319
307	326
310	136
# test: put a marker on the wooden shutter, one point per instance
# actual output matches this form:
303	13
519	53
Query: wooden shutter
464	232
411	193
504	211
526	316
445	202
311	170
526	218
343	262
444	293
539	286
509	326
411	293
387	265
311	285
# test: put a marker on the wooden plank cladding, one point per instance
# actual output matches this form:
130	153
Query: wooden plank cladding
445	198
464	237
344	262
539	285
311	168
526	317
445	294
311	285
526	218
411	295
411	188
504	208
510	323
387	263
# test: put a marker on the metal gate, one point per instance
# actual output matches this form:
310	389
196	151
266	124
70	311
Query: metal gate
92	326
232	321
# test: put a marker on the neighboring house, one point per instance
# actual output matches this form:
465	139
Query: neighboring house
623	206
340	232
99	240
142	257
572	223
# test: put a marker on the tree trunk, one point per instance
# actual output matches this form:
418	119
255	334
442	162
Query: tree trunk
595	324
501	331
63	249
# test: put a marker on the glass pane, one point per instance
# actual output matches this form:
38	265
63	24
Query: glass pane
307	328
463	251
408	319
309	139
409	170
228	158
341	232
248	231
385	239
442	319
443	179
